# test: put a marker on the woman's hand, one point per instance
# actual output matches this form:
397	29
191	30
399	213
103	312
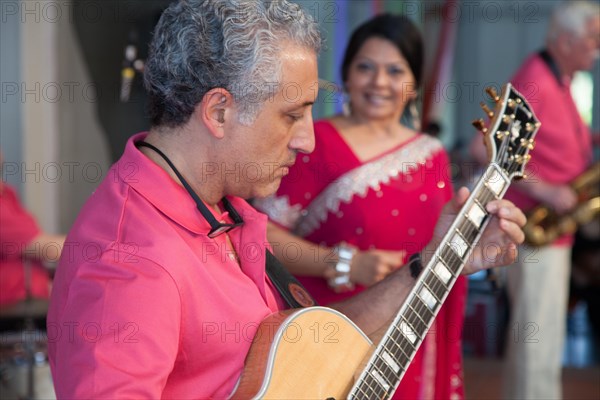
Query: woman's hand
369	267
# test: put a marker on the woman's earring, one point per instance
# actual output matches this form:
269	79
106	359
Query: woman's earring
346	109
414	114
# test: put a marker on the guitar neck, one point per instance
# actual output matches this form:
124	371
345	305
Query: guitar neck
393	355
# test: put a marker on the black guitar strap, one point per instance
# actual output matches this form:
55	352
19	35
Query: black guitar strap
551	64
294	294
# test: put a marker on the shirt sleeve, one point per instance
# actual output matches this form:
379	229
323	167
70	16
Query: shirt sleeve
118	334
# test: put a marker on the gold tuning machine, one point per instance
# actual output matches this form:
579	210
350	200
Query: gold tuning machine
529	127
487	110
479	124
492	93
528	143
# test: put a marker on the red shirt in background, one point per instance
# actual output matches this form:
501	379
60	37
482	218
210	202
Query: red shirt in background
17	229
563	144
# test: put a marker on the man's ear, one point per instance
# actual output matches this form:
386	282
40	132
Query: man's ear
564	42
215	110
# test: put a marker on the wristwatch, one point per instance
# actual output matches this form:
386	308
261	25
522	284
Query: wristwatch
341	281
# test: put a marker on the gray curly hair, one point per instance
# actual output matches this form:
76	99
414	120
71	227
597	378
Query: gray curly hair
199	45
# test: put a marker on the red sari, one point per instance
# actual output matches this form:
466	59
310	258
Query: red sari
390	202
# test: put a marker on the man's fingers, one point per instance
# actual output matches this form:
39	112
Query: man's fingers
507	210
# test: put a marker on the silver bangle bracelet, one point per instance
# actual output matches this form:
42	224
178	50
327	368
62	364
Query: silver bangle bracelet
341	281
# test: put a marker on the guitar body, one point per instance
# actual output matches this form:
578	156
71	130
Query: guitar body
310	353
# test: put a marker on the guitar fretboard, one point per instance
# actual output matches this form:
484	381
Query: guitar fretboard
394	353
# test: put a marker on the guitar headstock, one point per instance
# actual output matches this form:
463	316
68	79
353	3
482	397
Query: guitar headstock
509	136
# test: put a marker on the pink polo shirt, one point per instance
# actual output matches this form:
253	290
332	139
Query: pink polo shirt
144	304
563	144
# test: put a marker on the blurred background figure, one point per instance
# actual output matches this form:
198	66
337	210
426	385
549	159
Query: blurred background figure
538	284
27	256
25	250
371	193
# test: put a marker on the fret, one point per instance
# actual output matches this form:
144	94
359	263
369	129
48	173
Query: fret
362	392
371	383
436	285
417	313
416	323
452	261
468	231
402	342
422	310
398	350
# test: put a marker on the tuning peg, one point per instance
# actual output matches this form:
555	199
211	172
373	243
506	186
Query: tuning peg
487	110
493	94
511	103
529	127
502	134
527	143
508	118
479	124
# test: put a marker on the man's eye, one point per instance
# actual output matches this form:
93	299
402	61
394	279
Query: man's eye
295	117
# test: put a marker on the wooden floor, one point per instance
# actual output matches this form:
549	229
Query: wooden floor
483	380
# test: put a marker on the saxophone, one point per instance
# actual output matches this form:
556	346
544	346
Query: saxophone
544	225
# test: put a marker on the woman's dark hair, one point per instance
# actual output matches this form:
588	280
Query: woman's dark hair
399	30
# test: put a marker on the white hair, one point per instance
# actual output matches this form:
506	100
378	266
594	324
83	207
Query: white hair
572	17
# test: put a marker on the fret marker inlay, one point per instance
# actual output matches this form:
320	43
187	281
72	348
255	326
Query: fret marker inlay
428	298
496	182
441	271
476	214
408	332
390	361
458	244
381	381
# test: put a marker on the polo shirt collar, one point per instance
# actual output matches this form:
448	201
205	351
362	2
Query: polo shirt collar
154	183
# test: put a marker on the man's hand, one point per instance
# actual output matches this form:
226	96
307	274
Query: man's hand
498	243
